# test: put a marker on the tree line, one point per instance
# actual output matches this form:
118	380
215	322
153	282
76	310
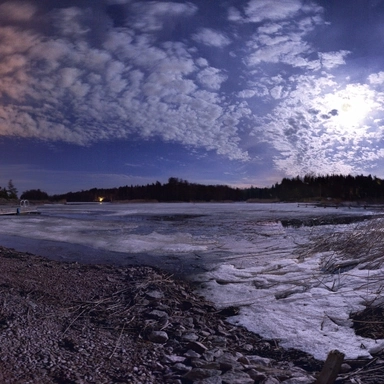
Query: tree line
8	193
307	188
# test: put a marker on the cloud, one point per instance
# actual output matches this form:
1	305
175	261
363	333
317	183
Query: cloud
12	12
285	42
376	78
323	125
246	93
151	16
259	10
64	87
211	78
71	80
278	49
331	60
211	38
70	21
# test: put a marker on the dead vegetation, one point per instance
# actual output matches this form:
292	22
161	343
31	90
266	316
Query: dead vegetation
361	247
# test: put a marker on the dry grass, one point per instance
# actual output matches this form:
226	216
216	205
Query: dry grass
360	245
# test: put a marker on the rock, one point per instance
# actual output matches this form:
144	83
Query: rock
256	375
198	363
254	359
345	368
158	315
191	354
197	347
209	380
181	367
160	337
172	359
299	380
212	365
156	295
190	337
213	354
200	373
271	380
248	347
236	377
229	362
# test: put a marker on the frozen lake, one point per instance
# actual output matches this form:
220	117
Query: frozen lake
243	255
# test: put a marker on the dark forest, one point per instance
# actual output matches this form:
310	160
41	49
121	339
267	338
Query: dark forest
307	188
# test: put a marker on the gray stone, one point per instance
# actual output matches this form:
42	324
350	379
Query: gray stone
201	373
158	315
236	377
248	347
209	380
191	354
256	375
219	341
271	380
172	359
181	367
229	362
198	363
213	354
190	337
155	295
345	368
159	337
254	359
197	347
299	380
212	365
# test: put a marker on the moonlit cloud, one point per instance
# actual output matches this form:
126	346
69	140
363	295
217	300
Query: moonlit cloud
259	83
322	123
212	38
22	11
376	78
151	16
259	10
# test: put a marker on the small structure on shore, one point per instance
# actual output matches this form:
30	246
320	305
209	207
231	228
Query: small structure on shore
24	208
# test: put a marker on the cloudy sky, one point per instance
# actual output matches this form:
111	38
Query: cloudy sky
104	93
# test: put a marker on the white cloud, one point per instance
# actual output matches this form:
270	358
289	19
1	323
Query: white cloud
269	28
376	78
278	49
246	93
201	62
212	38
22	11
234	14
70	22
331	60
259	10
322	126
211	78
63	88
151	16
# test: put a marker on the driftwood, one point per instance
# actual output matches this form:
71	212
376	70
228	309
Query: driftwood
331	368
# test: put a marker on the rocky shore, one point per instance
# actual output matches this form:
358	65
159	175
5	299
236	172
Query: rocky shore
75	323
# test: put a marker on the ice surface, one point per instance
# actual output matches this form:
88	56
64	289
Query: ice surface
250	260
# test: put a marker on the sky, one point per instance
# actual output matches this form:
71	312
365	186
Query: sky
108	93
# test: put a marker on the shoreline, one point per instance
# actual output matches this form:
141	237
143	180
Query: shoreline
96	323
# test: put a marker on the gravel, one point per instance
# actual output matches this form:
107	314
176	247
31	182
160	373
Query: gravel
75	323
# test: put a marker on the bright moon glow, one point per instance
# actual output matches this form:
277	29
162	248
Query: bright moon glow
347	109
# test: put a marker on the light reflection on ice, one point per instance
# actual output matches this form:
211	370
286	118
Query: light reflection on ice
250	260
